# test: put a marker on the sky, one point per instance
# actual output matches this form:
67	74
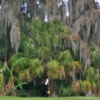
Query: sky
98	1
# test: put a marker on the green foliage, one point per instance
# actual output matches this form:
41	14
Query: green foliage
95	58
65	59
19	61
45	50
27	45
83	86
46	34
77	64
93	76
64	89
1	65
55	70
90	73
97	78
20	85
1	81
22	94
7	73
42	52
1	53
68	91
36	68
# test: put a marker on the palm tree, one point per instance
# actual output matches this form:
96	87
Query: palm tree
20	67
16	60
76	66
65	59
36	68
95	58
93	76
55	70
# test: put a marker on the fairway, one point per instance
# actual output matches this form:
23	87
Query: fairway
51	98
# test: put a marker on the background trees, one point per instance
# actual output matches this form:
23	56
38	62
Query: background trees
60	47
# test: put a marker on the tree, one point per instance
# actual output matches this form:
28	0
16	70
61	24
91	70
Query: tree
55	70
65	59
95	59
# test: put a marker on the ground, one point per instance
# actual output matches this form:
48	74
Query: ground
58	98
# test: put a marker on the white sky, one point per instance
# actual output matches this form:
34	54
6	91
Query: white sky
98	1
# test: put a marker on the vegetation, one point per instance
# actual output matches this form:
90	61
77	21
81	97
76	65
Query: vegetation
32	51
60	98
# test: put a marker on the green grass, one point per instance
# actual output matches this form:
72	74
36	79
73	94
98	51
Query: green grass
51	98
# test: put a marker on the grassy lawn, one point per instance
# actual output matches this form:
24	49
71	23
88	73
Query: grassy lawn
58	98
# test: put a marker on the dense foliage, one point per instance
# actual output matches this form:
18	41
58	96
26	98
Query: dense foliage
42	54
32	51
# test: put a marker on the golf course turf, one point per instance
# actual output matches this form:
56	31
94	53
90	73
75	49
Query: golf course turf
50	98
